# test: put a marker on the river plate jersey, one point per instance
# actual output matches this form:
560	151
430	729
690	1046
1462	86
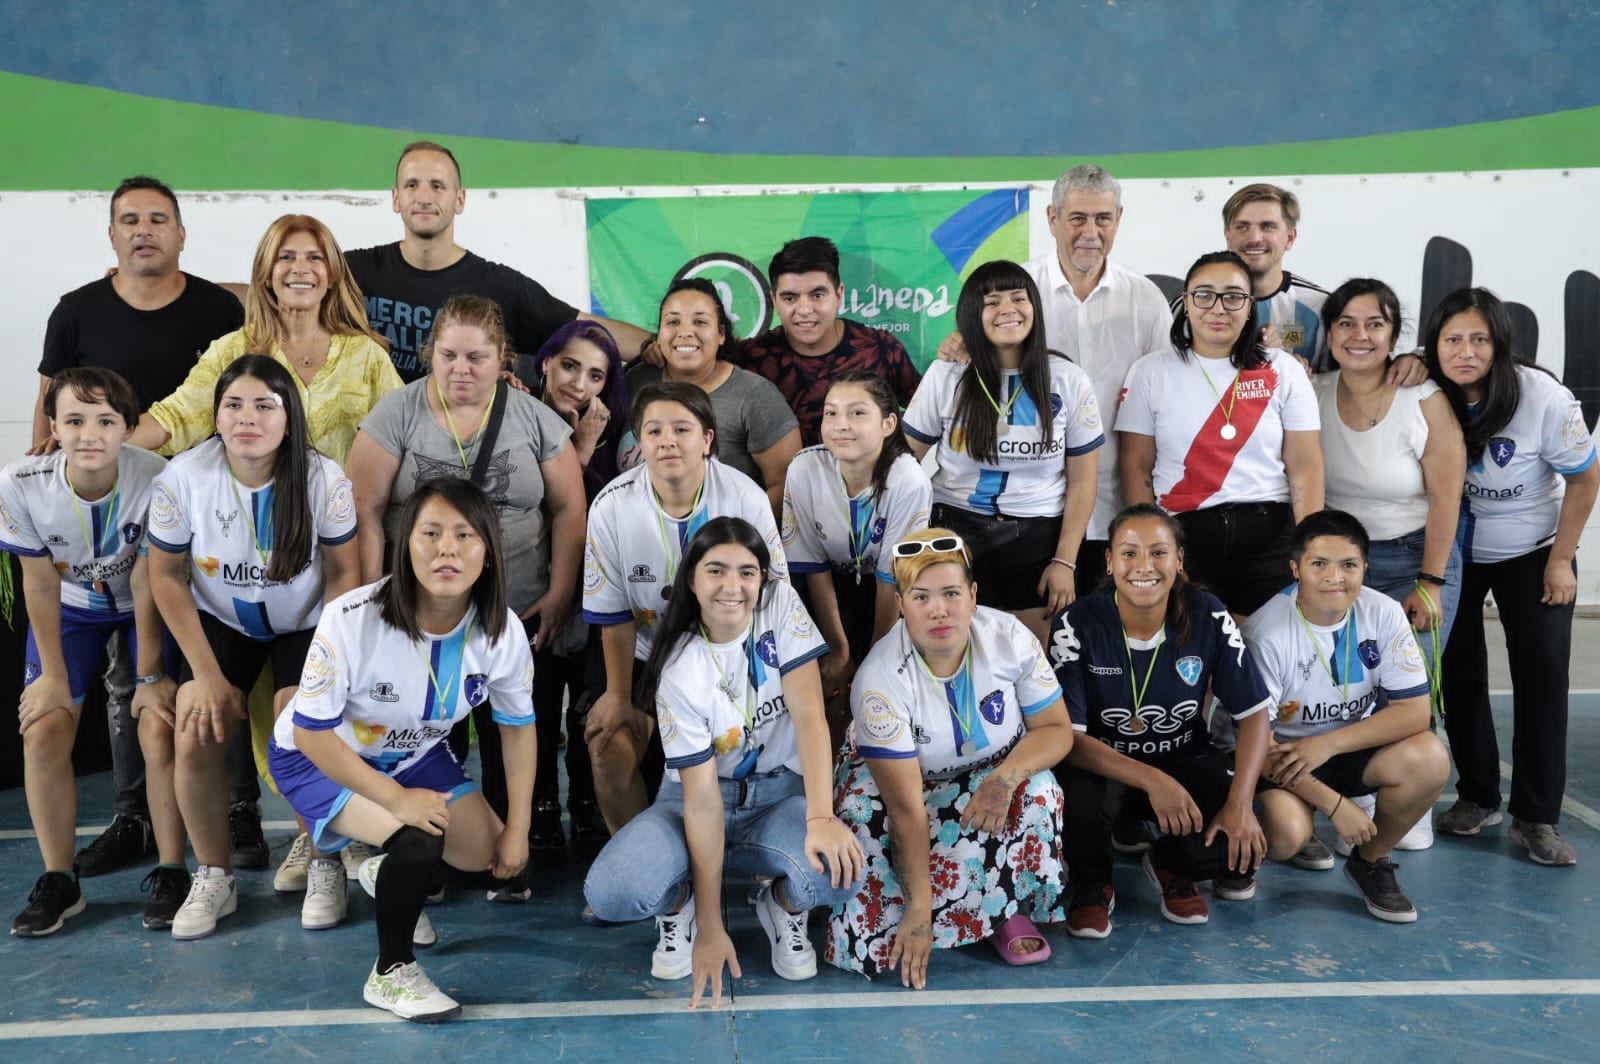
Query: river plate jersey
824	529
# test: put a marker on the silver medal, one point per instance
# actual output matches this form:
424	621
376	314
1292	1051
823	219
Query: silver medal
1227	431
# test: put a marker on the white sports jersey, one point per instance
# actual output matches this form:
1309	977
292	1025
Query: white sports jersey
633	547
199	507
1295	309
1029	480
40	515
725	700
391	699
900	710
822	528
1197	465
1324	677
1514	489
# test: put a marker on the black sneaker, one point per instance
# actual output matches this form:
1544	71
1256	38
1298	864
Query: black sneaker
127	841
1379	889
245	839
589	831
54	898
546	836
168	888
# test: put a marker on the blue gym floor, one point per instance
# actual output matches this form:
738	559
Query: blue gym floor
1503	959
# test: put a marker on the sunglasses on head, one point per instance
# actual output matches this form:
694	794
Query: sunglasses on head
910	548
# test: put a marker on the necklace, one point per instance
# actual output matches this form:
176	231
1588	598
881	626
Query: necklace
1327	665
1350	396
661	527
747	711
83	524
442	694
250	519
1227	431
461	449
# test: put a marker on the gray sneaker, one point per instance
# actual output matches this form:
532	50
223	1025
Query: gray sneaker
1313	856
1545	844
1466	818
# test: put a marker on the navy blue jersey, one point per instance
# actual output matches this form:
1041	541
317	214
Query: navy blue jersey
1097	668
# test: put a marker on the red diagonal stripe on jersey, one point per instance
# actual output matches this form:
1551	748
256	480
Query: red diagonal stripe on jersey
1211	457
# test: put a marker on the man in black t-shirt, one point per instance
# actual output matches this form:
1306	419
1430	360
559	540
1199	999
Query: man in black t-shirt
149	321
406	283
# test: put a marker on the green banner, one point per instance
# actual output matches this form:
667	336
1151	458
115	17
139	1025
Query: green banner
902	255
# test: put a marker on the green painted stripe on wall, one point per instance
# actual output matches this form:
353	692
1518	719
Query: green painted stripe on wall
65	136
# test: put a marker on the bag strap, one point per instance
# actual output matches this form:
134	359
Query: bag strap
497	414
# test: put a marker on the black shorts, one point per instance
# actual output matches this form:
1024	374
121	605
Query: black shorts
1343	772
1009	554
1239	551
240	658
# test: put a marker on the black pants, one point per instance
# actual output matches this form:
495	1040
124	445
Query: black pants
1539	649
1092	803
559	678
1092	571
1239	551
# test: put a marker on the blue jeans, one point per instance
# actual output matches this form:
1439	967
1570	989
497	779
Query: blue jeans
1392	566
641	870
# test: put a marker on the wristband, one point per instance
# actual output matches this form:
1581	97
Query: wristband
1336	806
1071	566
1432	578
146	681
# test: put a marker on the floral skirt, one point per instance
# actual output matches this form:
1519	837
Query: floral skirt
979	880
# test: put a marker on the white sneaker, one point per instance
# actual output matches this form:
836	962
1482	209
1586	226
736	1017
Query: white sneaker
213	894
352	856
1420	837
327	895
423	935
290	878
792	954
407	992
1369	806
674	954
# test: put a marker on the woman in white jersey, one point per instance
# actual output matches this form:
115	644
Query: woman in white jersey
957	720
1531	483
843	501
638	527
1017	430
251	532
361	755
738	699
1222	432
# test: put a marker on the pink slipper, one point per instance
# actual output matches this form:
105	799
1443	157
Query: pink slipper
1019	927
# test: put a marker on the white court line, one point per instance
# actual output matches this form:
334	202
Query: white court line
1570	806
563	1010
93	830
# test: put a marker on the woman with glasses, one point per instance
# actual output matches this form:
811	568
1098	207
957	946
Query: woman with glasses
1222	432
957	720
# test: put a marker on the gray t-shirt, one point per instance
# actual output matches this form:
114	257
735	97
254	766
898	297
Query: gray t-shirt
751	414
531	433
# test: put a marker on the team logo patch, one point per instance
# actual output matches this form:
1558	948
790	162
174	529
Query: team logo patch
1574	432
993	707
767	649
1293	335
594	577
341	508
164	511
383	692
879	720
787	532
30	673
640	573
477	689
1055	405
55	540
225	521
878	527
7	519
1367	651
1089	412
800	624
1189	669
132	532
316	675
667	722
1407	653
1501	450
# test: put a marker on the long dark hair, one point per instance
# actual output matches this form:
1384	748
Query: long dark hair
681	618
293	523
894	445
974	412
1247	352
1501	389
615	394
397	599
1178	618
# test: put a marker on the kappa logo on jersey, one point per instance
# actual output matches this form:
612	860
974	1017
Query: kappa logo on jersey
225	521
993	707
132	532
1189	669
208	565
477	688
1501	449
641	574
1064	645
383	692
1367	651
1224	620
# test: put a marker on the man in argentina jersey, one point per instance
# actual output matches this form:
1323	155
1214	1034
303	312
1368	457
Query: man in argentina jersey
822	529
1327	647
198	507
633	546
696	728
1027	479
1260	223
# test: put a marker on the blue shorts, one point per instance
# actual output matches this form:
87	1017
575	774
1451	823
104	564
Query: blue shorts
319	799
84	634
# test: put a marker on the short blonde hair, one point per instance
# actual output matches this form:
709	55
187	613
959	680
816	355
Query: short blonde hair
477	311
906	570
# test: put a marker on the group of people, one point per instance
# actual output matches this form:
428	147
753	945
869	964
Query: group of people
1113	574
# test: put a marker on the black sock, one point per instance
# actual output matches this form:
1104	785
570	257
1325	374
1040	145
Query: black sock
404	880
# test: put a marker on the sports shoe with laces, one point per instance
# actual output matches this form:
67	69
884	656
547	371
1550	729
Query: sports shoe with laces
674	953
1180	900
513	891
167	887
1379	889
423	935
1419	836
1368	804
1230	886
54	898
246	843
290	878
213	894
327	895
792	954
1465	818
127	840
1545	844
406	991
1313	856
352	857
1089	914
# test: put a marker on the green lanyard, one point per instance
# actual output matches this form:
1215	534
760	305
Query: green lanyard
661	526
964	717
83	523
859	542
441	695
1344	688
747	711
1139	689
1435	676
250	520
1003	412
461	449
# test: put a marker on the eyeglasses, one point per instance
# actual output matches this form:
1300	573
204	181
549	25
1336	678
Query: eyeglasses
910	548
1205	299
